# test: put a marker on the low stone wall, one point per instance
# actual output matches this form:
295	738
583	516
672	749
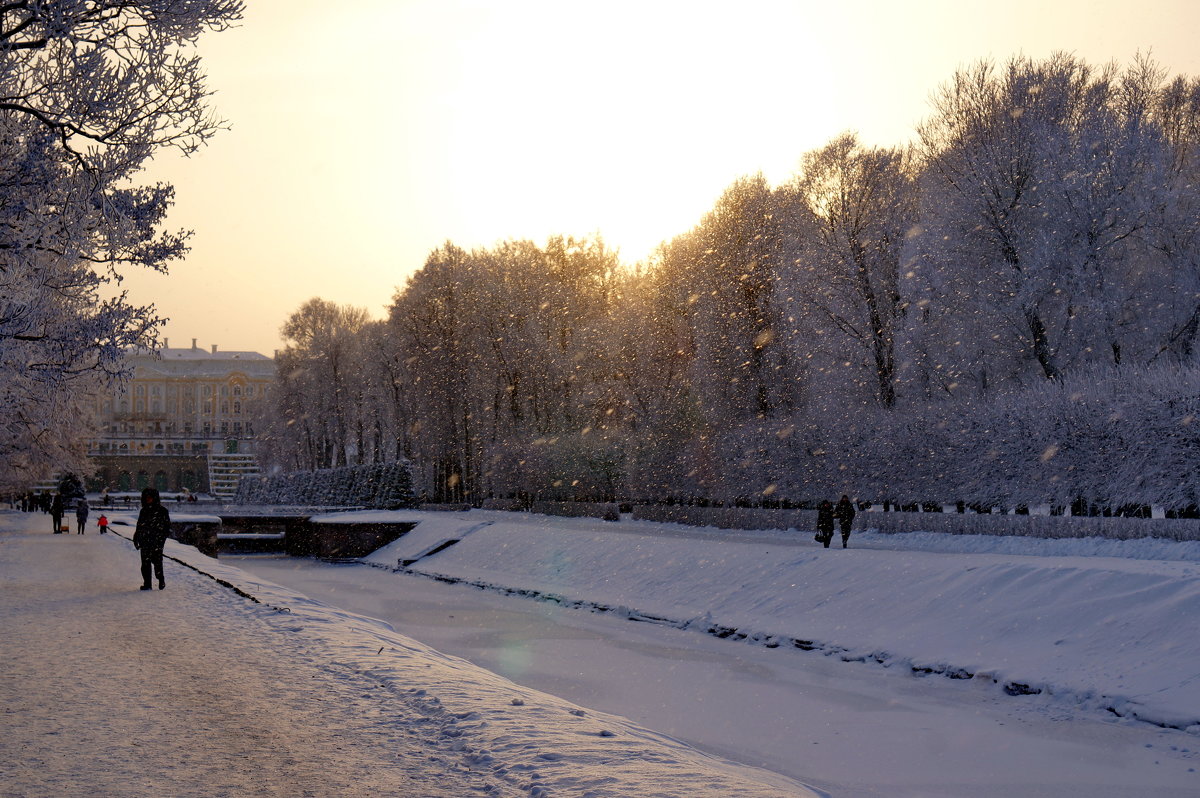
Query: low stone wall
340	540
606	510
507	505
1038	526
727	517
201	534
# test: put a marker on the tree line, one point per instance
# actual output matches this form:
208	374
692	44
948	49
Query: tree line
1004	312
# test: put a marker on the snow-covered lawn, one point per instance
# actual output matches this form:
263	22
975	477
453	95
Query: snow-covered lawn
1111	634
941	602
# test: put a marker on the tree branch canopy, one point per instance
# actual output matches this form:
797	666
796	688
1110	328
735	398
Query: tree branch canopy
89	91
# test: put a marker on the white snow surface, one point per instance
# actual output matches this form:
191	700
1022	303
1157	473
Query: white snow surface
1064	618
197	690
292	696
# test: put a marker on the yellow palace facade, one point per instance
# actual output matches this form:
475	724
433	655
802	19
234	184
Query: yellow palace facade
185	422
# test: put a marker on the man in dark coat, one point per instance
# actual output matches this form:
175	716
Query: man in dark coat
150	535
56	512
845	516
825	522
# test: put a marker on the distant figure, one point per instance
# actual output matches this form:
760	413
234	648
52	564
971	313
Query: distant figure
825	522
56	512
845	516
102	522
81	514
150	535
104	497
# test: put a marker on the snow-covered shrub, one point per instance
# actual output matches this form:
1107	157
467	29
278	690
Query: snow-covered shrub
381	485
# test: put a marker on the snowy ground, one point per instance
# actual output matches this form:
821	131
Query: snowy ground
199	691
845	712
1114	634
1095	634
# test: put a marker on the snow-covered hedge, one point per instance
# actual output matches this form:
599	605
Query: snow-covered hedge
383	485
1037	526
727	517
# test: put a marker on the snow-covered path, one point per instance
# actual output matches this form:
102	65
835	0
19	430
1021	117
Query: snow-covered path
197	691
111	691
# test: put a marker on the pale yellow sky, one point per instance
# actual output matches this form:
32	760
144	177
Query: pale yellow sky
368	132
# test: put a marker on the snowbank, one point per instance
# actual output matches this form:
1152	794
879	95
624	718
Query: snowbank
1054	618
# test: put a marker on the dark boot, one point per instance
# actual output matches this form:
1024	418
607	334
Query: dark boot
145	587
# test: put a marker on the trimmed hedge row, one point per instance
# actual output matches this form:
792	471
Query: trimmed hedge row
1035	526
727	517
379	485
1038	526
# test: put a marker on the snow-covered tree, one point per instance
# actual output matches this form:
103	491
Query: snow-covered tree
89	91
861	204
1006	316
319	415
1041	181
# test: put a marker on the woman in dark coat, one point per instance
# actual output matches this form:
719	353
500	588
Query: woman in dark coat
81	514
825	522
845	516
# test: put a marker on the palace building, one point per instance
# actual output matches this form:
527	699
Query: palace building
185	422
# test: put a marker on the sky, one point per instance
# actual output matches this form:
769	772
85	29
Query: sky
361	140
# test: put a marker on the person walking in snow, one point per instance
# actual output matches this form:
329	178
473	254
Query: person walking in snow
844	512
150	535
102	522
825	522
81	514
56	512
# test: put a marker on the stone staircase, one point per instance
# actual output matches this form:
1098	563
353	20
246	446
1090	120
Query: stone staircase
224	471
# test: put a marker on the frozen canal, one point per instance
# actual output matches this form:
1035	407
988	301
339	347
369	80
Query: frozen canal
847	728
